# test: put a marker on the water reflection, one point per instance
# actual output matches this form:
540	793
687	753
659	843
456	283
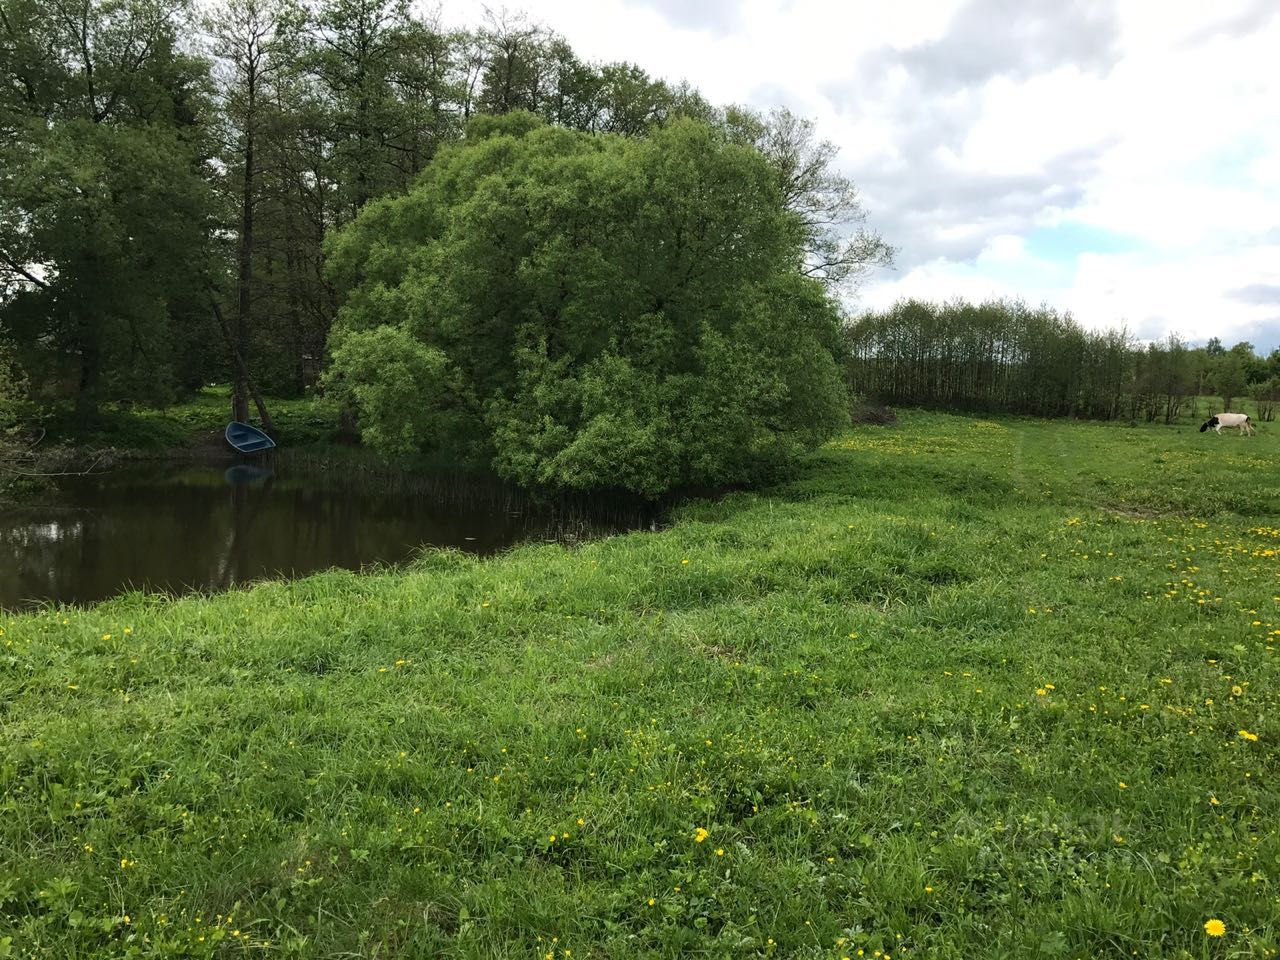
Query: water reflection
243	473
206	528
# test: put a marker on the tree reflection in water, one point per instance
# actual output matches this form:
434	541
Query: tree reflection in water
183	528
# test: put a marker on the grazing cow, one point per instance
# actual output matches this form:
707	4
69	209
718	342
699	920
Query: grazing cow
1220	420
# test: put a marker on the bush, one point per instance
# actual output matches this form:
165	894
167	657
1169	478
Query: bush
588	312
17	412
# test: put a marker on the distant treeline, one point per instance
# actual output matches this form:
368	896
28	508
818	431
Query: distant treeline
1004	356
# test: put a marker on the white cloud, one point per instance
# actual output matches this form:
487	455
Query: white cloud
1193	290
1006	248
1024	124
971	124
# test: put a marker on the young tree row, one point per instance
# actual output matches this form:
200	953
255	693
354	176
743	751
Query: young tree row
1007	357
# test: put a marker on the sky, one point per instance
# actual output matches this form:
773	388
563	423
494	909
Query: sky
1118	159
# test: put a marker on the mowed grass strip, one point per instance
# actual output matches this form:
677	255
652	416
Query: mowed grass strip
962	687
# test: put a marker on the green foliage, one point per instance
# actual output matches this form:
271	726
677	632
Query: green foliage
896	737
16	409
838	247
522	65
618	313
1266	394
1228	375
1004	356
144	183
104	212
398	383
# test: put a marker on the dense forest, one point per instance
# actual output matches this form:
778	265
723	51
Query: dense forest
1004	356
169	175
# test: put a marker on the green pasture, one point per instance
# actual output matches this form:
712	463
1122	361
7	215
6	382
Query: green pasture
960	688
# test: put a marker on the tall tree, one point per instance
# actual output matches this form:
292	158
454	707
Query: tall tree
105	213
515	74
427	76
838	246
251	39
357	46
1230	375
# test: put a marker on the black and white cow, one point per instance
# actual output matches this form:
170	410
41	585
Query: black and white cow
1220	420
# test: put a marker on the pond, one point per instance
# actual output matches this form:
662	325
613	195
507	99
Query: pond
183	528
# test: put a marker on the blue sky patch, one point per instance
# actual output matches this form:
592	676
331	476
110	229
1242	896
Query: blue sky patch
1066	241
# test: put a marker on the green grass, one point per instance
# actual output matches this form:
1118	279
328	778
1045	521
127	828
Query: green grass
300	422
961	688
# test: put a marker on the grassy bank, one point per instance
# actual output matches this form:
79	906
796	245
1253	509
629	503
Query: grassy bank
192	429
195	422
963	688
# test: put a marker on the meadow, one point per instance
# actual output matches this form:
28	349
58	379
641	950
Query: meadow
961	687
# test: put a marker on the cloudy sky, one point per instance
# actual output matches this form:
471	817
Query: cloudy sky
1116	158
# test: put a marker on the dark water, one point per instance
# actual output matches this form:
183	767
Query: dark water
182	528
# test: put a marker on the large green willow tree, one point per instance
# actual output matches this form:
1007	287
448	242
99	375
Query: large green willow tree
589	311
105	208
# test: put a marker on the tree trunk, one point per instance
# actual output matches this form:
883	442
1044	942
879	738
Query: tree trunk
86	407
242	373
244	312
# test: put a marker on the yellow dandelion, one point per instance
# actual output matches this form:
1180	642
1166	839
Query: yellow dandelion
701	834
1215	927
1251	737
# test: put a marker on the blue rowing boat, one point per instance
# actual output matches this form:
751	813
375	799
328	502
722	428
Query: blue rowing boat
247	439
